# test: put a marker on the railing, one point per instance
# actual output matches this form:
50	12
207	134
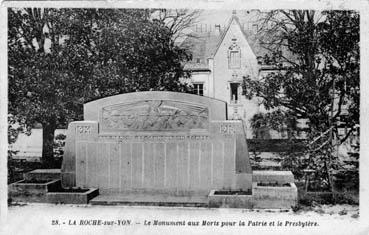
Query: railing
235	110
234	102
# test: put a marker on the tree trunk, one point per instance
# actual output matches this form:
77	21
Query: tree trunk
48	130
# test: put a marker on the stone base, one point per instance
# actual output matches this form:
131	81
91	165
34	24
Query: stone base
274	197
43	174
280	192
31	192
232	201
276	191
72	197
149	199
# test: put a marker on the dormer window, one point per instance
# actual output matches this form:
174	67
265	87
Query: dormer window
198	60
234	56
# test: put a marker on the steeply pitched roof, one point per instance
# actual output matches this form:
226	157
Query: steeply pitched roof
201	45
205	45
233	18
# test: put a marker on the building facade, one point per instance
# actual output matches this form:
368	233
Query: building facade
221	59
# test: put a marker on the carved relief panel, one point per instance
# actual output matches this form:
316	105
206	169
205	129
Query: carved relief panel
154	115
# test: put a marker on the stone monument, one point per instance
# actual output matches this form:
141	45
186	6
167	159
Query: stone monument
157	142
158	148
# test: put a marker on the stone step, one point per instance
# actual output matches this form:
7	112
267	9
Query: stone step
150	200
42	175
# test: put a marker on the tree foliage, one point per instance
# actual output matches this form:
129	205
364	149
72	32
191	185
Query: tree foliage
61	58
316	56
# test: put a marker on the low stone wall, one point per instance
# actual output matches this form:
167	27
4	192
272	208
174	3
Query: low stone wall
72	197
274	197
31	192
280	177
262	197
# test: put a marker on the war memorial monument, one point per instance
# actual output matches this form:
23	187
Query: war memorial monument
159	148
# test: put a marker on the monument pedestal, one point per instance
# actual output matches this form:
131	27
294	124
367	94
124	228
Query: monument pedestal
150	199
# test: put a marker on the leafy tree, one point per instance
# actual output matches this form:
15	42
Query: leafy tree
62	58
317	55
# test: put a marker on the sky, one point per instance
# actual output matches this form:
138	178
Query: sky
221	17
215	16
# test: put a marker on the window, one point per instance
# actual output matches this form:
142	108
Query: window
234	56
198	89
234	59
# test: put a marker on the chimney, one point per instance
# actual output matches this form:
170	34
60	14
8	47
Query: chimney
217	29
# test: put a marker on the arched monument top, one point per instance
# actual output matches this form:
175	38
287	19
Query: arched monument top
155	110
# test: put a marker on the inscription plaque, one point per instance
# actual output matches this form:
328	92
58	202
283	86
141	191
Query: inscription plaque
83	130
227	128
